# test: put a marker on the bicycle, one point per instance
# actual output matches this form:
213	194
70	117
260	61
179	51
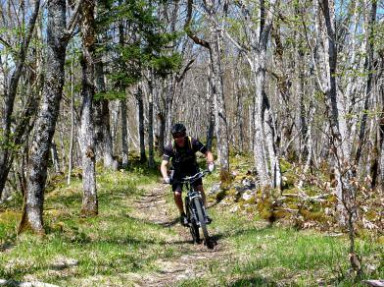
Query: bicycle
195	210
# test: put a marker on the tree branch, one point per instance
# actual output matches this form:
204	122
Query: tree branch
186	69
72	22
5	43
187	27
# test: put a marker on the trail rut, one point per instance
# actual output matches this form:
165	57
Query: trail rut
153	207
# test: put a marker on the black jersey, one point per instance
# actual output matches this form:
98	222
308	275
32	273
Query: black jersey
184	158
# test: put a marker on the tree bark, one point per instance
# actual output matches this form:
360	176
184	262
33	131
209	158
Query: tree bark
45	126
6	155
104	144
72	132
55	157
151	160
369	69
266	158
211	114
90	200
140	104
123	107
124	133
221	124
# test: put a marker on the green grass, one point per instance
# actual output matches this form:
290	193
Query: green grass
116	247
111	243
278	256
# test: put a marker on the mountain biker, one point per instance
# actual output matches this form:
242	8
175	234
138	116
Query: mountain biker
182	151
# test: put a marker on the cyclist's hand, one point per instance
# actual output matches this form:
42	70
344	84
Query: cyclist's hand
167	180
211	166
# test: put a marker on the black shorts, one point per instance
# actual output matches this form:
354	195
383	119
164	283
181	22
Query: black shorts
178	186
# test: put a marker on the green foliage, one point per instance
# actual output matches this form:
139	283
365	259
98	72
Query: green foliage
285	165
146	46
164	65
110	95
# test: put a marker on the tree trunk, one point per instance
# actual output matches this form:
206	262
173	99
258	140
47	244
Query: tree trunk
123	107
169	108
124	133
45	126
160	117
221	124
6	155
72	132
90	200
211	115
102	120
264	141
260	145
368	68
140	104
55	157
151	161
345	191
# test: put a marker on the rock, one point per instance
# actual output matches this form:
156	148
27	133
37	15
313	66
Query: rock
248	183
369	225
215	189
234	209
25	284
247	195
61	263
36	284
375	283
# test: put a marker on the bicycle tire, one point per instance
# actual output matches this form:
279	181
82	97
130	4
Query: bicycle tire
193	227
200	215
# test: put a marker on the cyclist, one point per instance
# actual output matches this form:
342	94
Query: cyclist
182	151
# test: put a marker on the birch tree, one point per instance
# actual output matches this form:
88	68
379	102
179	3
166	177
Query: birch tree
57	38
86	133
8	140
255	49
213	46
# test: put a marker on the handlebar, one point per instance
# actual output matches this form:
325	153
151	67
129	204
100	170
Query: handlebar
193	178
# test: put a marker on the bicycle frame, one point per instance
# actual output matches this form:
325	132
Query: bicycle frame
194	207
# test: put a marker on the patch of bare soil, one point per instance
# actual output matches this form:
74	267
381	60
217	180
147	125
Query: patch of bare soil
191	264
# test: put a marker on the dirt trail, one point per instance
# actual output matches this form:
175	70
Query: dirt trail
153	207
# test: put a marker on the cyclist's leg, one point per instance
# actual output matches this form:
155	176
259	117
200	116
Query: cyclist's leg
177	188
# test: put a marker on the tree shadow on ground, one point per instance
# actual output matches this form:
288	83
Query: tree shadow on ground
170	223
7	245
254	281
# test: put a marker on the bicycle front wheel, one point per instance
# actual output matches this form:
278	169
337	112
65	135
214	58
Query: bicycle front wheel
200	215
193	228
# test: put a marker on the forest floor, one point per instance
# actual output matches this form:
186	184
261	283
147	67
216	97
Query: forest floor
154	207
137	240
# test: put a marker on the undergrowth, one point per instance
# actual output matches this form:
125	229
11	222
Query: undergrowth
118	249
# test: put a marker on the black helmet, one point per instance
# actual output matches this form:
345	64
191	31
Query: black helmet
178	129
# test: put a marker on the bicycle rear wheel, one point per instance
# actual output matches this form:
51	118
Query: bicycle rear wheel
200	215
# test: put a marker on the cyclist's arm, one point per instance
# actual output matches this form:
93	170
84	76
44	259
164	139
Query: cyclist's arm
168	154
209	156
198	146
164	168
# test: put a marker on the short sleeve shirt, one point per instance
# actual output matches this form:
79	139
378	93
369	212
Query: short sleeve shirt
184	158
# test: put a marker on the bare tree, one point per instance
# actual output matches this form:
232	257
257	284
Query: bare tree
10	91
57	37
90	200
213	45
255	50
